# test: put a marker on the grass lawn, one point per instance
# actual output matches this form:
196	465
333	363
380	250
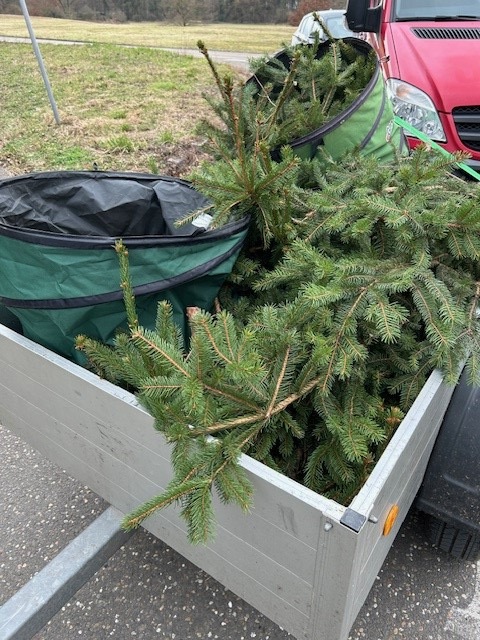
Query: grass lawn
121	108
249	38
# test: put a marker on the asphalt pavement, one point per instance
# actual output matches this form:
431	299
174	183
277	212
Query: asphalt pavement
146	590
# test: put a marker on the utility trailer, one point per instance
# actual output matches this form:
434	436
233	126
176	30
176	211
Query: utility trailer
304	561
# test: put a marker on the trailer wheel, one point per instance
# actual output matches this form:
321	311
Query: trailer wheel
459	543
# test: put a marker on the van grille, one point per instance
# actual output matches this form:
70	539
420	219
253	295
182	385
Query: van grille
447	33
467	122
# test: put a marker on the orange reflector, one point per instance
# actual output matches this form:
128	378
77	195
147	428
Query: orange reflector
390	519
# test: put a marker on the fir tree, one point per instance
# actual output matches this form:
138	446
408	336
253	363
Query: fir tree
356	281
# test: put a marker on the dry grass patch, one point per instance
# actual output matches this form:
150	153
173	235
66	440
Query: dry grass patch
120	108
250	38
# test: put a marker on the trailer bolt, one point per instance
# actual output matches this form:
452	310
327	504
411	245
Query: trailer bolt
373	519
327	526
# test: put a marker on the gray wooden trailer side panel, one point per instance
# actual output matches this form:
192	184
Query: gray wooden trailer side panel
99	445
397	480
238	564
291	557
250	573
99	435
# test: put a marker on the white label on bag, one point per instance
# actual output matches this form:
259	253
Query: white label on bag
204	220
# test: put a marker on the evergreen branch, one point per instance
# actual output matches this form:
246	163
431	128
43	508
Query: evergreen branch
426	311
354	282
314	471
232	484
140	338
354	444
235	188
226	333
202	321
278	384
390	335
199	514
409	391
161	387
455	246
360	351
174	494
293	397
101	358
204	51
237	136
260	416
327	101
231	424
287	88
442	296
339	336
340	469
126	285
229	395
323	224
165	327
474	248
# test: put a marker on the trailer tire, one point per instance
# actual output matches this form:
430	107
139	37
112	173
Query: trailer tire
459	543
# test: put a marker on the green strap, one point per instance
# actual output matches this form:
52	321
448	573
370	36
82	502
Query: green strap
421	136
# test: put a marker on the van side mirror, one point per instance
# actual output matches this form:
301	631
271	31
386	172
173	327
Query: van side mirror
360	16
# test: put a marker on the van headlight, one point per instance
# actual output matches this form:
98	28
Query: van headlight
416	108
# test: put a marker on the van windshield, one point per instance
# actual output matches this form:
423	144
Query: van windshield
437	9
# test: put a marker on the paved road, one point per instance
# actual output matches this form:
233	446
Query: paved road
148	591
239	60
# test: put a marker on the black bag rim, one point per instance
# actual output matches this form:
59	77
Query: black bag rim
47	238
316	136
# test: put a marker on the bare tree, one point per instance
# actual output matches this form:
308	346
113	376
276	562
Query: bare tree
184	11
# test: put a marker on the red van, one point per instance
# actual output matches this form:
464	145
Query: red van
430	55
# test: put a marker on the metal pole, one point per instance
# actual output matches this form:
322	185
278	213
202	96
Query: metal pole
40	61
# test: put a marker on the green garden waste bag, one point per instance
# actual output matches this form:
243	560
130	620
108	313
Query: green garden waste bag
59	271
367	125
